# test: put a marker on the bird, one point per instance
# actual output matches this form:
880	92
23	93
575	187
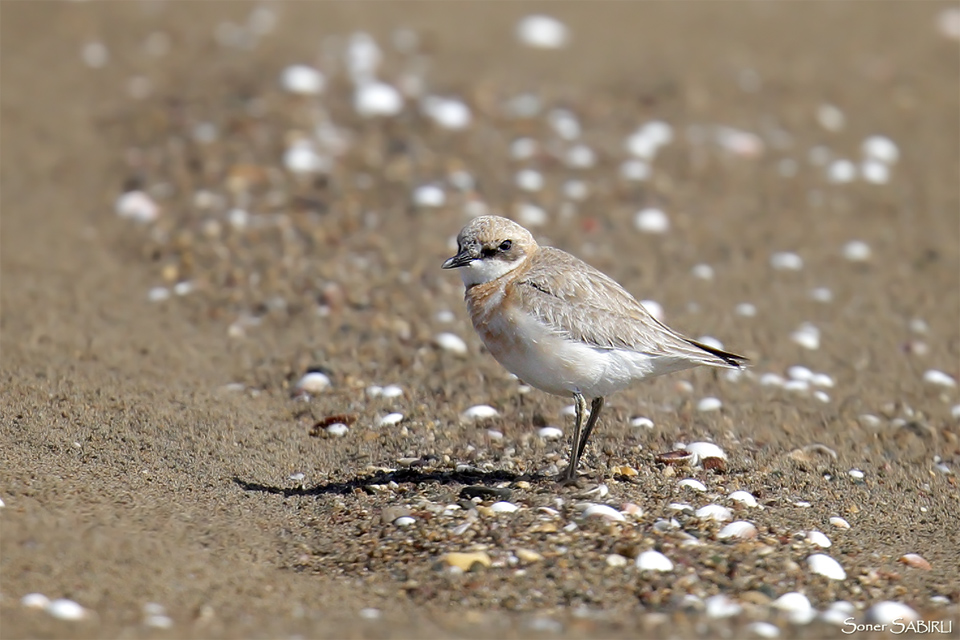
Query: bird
564	327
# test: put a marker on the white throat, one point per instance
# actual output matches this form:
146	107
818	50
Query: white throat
481	271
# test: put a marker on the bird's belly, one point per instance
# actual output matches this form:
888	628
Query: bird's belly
558	365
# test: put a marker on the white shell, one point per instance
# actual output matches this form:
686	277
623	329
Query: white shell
721	606
64	609
300	158
745	498
746	309
824	565
448	113
875	172
616	560
651	221
542	32
313	382
705	450
138	206
550	433
807	336
391	391
932	376
818	538
504	507
654	561
404	521
702	271
391	419
640	421
377	99
888	612
530	214
35	601
764	629
302	79
841	171
786	261
857	251
337	429
714	512
839	522
450	342
529	180
603	511
740	529
635	170
797	606
429	195
882	149
709	404
692	483
480	412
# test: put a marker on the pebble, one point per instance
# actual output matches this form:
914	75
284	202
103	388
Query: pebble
797	607
916	561
313	382
692	483
764	629
826	566
641	422
856	474
529	180
369	613
550	433
64	609
703	450
709	404
447	113
786	261
35	601
530	214
391	391
830	117
948	23
818	538
647	140
616	560
391	419
564	123
875	172
714	512
721	606
95	55
603	511
504	507
158	294
465	561
480	412
651	221
857	251
746	310
303	80
955	412
542	32
821	294
653	561
798	372
881	148
300	158
404	521
745	498
839	522
838	612
450	342
580	156
429	195
374	99
888	612
939	378
807	336
741	530
528	555
702	271
635	170
841	171
137	206
337	429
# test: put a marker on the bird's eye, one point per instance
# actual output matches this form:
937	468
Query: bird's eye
505	245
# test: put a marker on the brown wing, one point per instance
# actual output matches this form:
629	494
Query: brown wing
578	301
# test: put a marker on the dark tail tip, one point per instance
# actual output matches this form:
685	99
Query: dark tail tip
731	359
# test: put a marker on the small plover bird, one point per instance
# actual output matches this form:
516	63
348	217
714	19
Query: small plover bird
562	326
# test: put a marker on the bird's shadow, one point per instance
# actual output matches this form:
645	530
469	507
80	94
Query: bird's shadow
400	476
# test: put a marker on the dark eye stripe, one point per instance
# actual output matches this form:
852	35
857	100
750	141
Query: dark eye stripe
486	252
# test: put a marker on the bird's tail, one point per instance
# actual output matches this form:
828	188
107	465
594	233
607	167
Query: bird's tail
726	359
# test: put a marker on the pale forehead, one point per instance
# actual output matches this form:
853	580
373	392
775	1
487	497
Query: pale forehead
492	228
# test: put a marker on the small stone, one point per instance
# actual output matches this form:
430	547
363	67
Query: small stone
714	512
797	606
404	521
624	470
841	171
916	561
370	613
888	612
530	214
337	429
709	404
786	261
830	117
313	382
652	221
391	419
542	32
550	433
826	566
939	378
721	606
429	195
35	601
856	474
479	412
603	511
616	560
391	391
739	530
447	113
64	609
375	99
137	206
158	294
641	422
653	561
882	149
763	629
527	555
818	538
746	310
529	180
807	336
466	561
744	498
302	79
839	522
857	251
692	483
504	507
451	342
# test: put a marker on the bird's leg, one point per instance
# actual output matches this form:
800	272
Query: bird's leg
581	406
595	408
